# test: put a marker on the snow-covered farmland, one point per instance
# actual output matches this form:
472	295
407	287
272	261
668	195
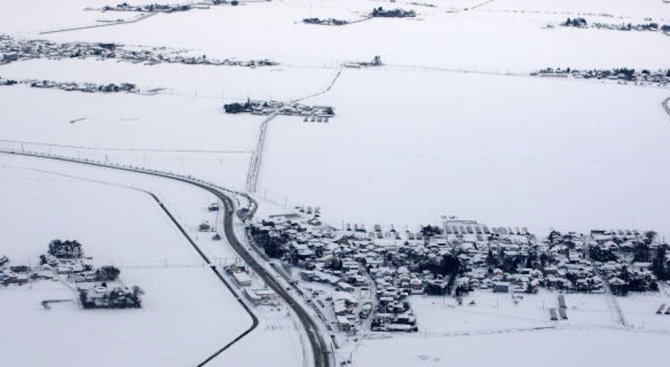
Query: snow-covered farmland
484	312
452	124
39	207
503	41
582	348
176	133
499	329
215	83
407	147
187	313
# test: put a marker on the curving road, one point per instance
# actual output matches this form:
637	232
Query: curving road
320	349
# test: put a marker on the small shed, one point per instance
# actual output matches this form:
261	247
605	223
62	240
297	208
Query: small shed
501	287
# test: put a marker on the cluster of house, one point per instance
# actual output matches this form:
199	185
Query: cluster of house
452	259
15	50
643	27
348	261
166	8
96	288
392	13
512	260
329	21
376	13
16	274
308	113
83	87
661	77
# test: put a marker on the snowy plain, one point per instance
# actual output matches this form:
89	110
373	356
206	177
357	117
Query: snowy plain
473	40
149	250
440	130
504	150
187	314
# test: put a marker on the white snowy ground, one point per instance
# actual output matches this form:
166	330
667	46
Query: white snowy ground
493	39
503	150
498	331
175	133
407	147
496	312
183	129
552	348
187	315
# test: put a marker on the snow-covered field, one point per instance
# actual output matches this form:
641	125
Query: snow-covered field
187	314
470	40
552	348
498	330
39	207
176	133
504	150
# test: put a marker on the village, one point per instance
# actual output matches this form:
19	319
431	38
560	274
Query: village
167	8
265	108
329	21
13	50
65	262
622	75
358	278
78	87
644	27
376	13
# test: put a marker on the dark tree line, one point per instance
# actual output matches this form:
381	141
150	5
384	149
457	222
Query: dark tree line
65	249
116	298
107	273
273	244
237	107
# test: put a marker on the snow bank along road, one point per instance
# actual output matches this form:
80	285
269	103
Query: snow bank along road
318	344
